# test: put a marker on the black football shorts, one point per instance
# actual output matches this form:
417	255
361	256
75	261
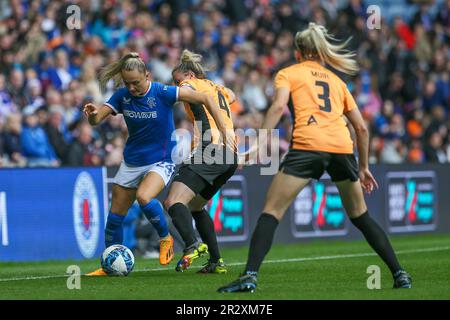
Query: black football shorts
312	164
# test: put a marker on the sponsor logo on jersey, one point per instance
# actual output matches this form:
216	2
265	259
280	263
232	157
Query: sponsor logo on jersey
126	100
140	114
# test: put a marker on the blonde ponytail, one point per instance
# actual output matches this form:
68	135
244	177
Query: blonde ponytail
191	61
313	43
128	62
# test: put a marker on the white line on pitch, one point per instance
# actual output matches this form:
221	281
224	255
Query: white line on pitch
340	256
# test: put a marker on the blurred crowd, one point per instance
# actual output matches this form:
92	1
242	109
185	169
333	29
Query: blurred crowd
48	69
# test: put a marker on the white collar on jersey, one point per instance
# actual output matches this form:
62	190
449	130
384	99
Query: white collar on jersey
149	87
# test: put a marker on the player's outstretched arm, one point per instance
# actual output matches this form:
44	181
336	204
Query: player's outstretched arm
96	115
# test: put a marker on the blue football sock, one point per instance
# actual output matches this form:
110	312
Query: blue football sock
153	211
114	229
130	226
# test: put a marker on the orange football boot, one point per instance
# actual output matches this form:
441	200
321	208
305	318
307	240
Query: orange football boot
166	250
96	273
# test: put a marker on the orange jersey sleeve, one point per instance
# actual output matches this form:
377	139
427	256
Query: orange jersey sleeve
281	80
318	100
349	101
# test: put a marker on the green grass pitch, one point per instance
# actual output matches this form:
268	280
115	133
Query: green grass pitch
313	270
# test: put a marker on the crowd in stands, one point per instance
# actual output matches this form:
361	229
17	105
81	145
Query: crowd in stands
48	70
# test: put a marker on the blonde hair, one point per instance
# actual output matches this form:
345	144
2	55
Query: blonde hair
191	61
314	44
128	62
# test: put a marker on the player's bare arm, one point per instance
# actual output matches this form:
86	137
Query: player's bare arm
275	111
368	182
96	115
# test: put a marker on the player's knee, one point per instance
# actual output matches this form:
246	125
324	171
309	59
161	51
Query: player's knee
356	208
168	203
356	212
278	213
142	198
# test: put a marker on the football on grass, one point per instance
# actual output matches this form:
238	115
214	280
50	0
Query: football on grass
117	260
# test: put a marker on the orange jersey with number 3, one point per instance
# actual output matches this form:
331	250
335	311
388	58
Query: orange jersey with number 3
318	100
200	112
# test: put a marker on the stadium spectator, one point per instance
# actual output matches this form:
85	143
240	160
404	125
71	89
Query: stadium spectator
16	87
7	105
34	141
2	152
434	151
10	138
448	147
394	151
60	75
415	153
114	151
82	151
253	93
110	29
54	130
34	94
88	78
404	65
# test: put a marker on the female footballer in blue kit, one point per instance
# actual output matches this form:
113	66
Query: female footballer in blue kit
147	165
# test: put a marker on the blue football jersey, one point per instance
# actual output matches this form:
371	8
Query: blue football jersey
150	123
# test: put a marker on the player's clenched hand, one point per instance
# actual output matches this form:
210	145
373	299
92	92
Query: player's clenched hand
368	182
90	109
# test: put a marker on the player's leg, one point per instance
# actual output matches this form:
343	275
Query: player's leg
186	185
296	170
205	227
152	184
282	192
126	182
177	205
353	200
122	199
343	170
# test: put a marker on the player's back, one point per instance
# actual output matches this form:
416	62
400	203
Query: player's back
201	113
318	100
